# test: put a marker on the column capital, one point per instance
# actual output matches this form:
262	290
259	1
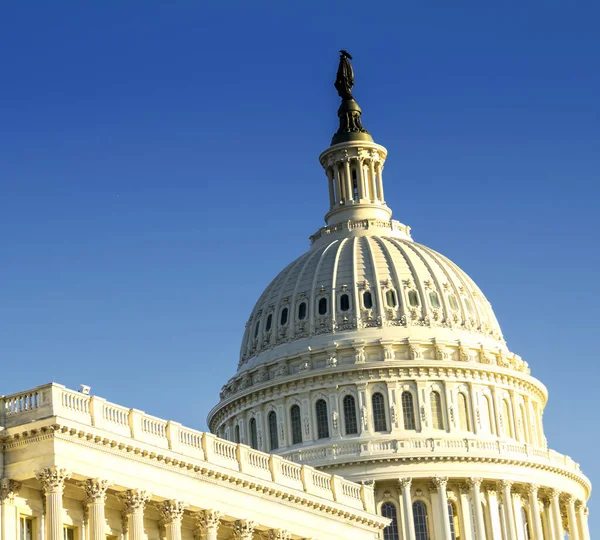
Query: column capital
243	529
53	479
491	492
569	499
95	490
404	483
440	482
579	504
135	500
464	489
171	511
475	482
208	520
553	492
532	489
8	489
506	484
279	534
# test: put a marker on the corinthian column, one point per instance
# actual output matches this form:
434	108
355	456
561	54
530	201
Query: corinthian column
534	506
8	510
95	497
582	513
555	511
207	523
404	484
53	481
509	510
440	482
243	529
279	534
572	518
172	512
475	484
135	501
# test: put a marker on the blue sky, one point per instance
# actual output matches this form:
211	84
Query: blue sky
158	166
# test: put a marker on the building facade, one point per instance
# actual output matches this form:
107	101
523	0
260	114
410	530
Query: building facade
76	467
376	358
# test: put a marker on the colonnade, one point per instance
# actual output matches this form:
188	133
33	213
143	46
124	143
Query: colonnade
135	501
364	173
488	510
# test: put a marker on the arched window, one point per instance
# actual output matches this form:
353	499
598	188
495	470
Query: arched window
236	434
408	410
525	522
452	520
269	322
273	438
507	420
523	422
296	424
344	302
463	413
413	298
367	300
256	328
284	317
322	420
253	434
434	299
437	416
388	510
350	423
390	298
379	420
302	311
420	520
322	306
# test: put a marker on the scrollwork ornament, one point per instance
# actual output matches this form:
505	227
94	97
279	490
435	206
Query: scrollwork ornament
8	489
53	479
172	511
95	490
243	529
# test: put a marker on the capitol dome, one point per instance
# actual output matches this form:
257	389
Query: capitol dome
378	359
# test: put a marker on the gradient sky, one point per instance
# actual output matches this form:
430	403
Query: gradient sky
158	167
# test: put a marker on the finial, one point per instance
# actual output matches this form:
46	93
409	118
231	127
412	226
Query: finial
349	113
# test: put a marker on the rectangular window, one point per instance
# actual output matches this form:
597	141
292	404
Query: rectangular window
68	533
25	528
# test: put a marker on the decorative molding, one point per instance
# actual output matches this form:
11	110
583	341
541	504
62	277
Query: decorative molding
135	500
95	490
8	489
53	479
243	529
208	520
171	511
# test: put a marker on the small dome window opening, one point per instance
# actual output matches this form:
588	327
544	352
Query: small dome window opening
269	322
302	311
390	298
367	300
434	299
284	316
256	328
413	298
344	302
452	301
322	306
469	306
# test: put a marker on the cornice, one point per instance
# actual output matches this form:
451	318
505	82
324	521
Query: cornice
190	467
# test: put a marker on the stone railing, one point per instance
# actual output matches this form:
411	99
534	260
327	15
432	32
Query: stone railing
414	448
56	401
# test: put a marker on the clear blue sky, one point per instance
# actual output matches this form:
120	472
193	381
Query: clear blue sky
158	166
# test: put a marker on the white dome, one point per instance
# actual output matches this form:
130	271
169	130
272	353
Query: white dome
377	283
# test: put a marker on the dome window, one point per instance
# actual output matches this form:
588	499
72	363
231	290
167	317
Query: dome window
284	317
469	306
390	298
434	299
453	302
302	311
322	306
344	302
269	322
256	329
368	300
413	298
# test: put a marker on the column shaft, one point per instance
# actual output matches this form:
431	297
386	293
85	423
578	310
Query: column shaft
53	481
495	522
348	181
330	184
572	519
509	511
477	508
583	523
556	519
96	521
534	506
409	525
372	190
380	181
440	484
360	179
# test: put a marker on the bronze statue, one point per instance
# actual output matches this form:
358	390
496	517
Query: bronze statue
345	76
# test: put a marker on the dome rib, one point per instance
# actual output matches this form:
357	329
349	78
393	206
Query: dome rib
312	307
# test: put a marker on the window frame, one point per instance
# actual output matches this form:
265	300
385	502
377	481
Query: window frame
296	424
379	415
322	419
353	409
406	413
273	430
